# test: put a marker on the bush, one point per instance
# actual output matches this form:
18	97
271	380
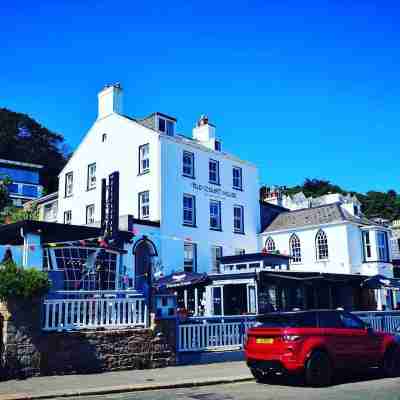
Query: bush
17	282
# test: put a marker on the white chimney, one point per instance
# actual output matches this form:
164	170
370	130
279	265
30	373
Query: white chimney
110	100
204	132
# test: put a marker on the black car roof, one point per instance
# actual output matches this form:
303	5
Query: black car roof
299	312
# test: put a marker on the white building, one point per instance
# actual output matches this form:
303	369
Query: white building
191	200
299	201
47	207
332	239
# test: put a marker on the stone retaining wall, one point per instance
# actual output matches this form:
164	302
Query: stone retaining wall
28	351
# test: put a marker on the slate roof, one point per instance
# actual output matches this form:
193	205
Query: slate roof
326	214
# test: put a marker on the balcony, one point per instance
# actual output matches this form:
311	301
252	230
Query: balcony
78	310
253	262
29	191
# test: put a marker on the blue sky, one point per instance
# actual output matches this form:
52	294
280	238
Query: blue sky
302	89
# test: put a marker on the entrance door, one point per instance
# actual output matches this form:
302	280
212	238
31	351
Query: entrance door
143	256
216	296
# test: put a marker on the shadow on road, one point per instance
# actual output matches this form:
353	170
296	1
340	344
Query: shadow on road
340	378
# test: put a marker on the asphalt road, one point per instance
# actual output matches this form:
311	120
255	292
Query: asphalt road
359	388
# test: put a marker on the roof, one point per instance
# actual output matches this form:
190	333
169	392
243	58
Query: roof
44	199
325	214
179	279
50	232
20	163
273	258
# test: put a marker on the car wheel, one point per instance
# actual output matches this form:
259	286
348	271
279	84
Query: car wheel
259	375
318	369
391	363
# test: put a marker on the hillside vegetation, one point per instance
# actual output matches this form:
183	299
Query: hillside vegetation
374	204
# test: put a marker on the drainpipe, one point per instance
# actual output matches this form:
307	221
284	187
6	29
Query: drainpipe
25	249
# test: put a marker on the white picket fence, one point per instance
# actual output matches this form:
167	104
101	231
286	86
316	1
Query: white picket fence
77	314
202	335
383	321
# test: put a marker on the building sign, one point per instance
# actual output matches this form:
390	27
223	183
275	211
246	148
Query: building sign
213	190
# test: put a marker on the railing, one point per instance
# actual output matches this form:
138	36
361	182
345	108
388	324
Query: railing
222	333
92	313
385	321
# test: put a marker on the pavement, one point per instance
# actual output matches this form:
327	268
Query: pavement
360	389
125	381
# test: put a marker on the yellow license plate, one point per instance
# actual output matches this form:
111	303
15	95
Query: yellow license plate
264	340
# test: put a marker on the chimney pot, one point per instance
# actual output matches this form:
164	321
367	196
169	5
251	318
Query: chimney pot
110	100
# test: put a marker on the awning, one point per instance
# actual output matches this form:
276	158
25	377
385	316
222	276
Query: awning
380	281
310	278
180	279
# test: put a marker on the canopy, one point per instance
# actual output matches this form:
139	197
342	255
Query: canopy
380	281
179	279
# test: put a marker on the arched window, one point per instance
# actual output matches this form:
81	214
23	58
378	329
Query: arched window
321	245
295	249
270	245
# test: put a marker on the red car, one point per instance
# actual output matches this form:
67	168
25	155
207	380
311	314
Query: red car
316	343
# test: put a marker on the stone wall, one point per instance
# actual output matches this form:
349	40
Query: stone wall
28	351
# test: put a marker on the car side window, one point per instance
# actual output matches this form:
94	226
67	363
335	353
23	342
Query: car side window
330	320
351	322
308	320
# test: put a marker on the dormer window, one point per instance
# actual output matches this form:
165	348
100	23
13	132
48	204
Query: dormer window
217	145
166	126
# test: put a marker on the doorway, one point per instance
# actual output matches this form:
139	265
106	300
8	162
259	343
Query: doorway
144	252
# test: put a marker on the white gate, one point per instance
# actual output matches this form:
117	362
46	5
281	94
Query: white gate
76	314
383	321
202	334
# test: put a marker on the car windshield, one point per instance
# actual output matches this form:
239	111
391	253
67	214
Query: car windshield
297	320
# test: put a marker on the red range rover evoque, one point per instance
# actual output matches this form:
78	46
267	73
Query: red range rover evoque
316	343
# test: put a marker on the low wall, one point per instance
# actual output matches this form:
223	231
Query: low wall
28	351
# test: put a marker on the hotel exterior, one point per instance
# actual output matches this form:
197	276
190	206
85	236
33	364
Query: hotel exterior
192	201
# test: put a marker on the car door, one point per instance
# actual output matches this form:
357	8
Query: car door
369	344
337	340
357	340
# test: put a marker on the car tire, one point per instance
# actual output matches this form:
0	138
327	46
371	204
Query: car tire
318	369
259	375
391	363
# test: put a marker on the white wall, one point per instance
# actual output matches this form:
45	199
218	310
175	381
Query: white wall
338	261
166	186
118	153
174	185
345	250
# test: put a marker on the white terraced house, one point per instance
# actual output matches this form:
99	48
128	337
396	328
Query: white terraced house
199	201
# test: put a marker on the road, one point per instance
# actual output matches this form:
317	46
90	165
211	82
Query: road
367	388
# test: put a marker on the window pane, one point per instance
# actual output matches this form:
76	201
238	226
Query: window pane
213	171
238	219
188	210
144	205
161	125
215	214
330	320
189	257
237	178
144	160
188	164
170	128
322	246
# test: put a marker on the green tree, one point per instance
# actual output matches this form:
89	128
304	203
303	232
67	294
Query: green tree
17	282
4	195
12	214
24	139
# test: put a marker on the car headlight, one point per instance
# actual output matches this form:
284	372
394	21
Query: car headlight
291	338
